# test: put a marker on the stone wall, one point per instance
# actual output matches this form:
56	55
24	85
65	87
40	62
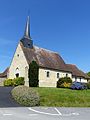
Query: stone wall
19	65
1	81
50	81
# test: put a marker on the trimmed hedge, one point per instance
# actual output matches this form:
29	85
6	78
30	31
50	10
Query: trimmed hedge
14	82
25	96
64	82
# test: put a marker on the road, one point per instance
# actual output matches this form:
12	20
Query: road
43	113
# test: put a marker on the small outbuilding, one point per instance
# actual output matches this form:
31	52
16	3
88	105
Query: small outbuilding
3	76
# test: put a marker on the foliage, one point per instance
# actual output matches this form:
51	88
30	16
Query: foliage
64	82
8	82
88	74
33	74
25	96
19	81
14	82
65	85
61	97
88	85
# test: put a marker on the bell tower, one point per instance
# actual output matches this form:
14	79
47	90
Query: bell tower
26	40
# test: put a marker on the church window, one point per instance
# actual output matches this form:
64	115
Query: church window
57	75
17	72
66	75
17	69
48	74
17	55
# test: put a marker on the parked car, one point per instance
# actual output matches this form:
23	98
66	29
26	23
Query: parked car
78	86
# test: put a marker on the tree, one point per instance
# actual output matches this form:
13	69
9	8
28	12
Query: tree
33	74
88	74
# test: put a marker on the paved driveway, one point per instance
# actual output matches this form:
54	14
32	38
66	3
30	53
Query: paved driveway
6	99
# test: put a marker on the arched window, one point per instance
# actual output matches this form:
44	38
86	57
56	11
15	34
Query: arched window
48	74
17	72
57	75
66	75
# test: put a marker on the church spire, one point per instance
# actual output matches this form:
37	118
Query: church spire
27	28
26	40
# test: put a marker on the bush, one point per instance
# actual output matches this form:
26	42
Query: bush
14	82
64	82
66	85
8	82
25	96
19	81
88	85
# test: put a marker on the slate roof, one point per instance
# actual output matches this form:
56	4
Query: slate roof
4	74
50	60
44	58
76	72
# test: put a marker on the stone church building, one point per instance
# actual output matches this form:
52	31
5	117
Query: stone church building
51	65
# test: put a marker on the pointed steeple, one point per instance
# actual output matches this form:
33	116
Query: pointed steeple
26	40
27	28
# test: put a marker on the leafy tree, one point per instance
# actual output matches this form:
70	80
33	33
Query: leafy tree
33	74
88	74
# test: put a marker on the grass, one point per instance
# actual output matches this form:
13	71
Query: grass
61	97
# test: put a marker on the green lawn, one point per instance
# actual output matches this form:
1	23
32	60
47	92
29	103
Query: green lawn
64	97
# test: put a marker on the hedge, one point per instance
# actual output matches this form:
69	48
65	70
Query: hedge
25	96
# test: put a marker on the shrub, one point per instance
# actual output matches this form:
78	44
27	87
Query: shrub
19	81
8	82
14	82
33	74
64	82
66	85
25	96
88	85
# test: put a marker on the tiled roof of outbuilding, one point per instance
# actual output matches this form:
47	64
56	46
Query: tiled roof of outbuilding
76	72
4	74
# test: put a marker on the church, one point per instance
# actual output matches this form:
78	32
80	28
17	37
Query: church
51	64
